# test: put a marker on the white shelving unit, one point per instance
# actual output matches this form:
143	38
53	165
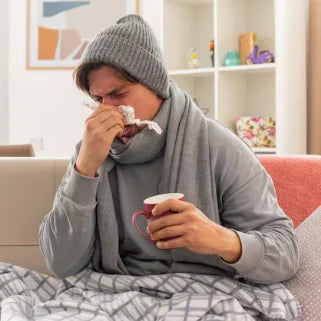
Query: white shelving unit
274	89
263	150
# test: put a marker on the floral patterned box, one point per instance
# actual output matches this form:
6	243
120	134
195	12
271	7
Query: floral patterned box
256	131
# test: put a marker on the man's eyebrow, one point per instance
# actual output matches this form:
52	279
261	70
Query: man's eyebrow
112	92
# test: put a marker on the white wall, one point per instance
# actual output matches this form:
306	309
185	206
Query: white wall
151	10
42	103
4	122
46	103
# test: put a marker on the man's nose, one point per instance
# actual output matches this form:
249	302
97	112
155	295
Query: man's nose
107	101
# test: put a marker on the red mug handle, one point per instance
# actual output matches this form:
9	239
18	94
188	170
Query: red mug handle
135	215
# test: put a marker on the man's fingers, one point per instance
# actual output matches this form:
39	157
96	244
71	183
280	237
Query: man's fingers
95	113
171	205
168	220
171	231
104	121
108	120
101	108
172	244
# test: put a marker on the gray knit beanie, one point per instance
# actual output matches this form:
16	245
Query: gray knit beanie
131	45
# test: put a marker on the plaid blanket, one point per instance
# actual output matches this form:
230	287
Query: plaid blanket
88	295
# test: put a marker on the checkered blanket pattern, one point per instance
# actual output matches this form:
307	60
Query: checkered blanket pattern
88	295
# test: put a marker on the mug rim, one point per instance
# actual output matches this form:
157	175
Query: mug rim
162	197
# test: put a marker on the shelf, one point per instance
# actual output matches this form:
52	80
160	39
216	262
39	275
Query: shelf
264	150
181	33
249	68
194	2
196	72
268	67
264	90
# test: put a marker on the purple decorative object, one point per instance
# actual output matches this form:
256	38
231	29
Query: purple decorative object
264	56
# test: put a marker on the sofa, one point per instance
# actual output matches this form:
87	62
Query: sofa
14	150
27	191
28	186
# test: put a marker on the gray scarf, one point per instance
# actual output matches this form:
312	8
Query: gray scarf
187	170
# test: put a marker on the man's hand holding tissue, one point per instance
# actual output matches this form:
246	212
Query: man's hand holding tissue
101	128
193	230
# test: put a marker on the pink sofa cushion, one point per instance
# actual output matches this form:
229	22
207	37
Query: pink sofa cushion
297	180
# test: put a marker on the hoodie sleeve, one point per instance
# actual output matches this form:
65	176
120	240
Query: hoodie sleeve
248	204
67	232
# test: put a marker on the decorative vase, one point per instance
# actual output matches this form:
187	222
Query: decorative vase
232	58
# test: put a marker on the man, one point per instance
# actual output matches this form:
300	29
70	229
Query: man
230	222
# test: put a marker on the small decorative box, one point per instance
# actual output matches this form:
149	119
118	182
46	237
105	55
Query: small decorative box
256	131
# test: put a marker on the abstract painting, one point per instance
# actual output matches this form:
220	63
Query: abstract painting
58	32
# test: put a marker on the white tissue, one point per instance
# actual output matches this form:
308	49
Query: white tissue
129	114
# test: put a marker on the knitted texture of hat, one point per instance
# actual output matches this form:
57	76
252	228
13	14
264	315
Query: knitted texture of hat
131	45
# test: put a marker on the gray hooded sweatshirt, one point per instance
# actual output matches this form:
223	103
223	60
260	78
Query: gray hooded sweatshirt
269	247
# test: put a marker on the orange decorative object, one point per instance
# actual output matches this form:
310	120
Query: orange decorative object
247	43
48	41
211	45
211	48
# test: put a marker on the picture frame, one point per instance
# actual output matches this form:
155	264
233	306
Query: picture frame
57	35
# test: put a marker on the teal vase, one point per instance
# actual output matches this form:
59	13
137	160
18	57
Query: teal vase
232	58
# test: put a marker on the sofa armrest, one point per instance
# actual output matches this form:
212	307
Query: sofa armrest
23	150
27	188
297	180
